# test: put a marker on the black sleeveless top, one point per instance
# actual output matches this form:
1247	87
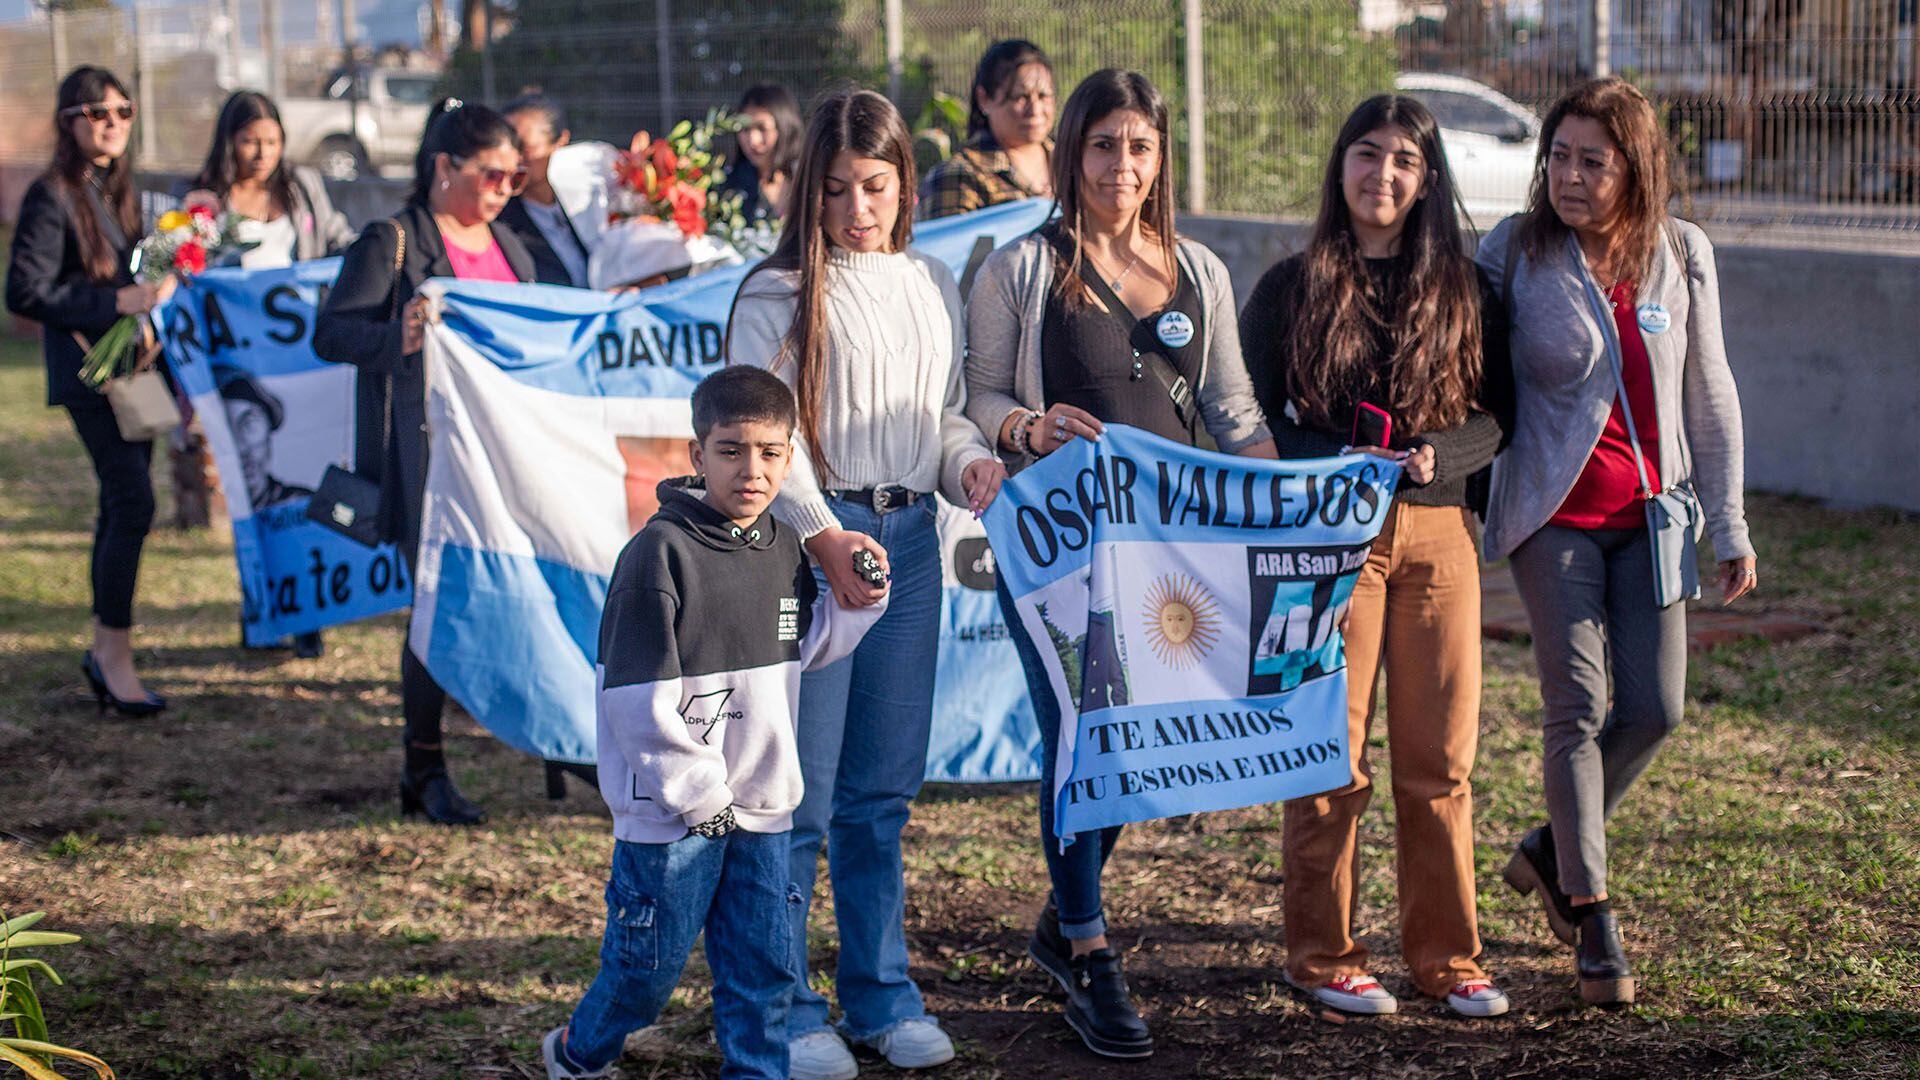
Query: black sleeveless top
1093	361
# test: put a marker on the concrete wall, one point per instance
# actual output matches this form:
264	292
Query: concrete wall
1825	346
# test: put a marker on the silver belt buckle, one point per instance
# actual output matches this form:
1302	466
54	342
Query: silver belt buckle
884	495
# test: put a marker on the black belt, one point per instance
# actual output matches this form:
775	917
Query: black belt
884	498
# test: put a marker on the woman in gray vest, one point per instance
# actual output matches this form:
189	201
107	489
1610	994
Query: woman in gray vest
1626	415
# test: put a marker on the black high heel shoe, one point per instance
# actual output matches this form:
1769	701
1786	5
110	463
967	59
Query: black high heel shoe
1534	868
103	697
435	796
557	777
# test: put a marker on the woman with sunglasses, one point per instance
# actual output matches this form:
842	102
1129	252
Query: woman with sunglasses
467	168
69	272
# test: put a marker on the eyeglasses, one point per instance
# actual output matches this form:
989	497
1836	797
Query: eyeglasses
98	112
512	182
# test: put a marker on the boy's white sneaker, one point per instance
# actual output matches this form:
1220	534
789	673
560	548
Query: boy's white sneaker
550	1053
820	1055
916	1043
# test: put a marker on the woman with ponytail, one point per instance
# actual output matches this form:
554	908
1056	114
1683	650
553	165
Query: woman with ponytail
868	333
467	168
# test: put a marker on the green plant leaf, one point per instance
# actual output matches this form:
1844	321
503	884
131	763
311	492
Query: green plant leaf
28	1065
11	966
100	1068
19	923
38	938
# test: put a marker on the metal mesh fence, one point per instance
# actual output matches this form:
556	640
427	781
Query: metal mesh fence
1781	111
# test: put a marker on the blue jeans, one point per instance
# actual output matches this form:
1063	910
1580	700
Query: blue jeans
659	898
1075	872
864	723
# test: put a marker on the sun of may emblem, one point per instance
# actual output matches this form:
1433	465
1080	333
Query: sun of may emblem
1183	623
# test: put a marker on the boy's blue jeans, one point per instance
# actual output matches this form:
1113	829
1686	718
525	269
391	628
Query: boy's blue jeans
659	898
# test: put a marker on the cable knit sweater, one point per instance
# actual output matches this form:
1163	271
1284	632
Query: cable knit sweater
893	407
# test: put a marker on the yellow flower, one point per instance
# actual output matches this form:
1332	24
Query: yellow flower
174	219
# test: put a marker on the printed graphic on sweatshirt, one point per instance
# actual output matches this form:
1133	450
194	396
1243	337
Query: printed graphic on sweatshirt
704	712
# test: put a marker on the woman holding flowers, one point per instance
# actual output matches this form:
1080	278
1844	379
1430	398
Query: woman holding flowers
70	273
467	168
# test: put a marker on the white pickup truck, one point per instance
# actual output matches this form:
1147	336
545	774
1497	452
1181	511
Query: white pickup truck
364	123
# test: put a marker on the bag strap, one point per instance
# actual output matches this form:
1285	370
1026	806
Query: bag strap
1178	389
399	259
1603	312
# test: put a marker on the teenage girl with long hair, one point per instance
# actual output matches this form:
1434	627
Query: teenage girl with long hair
869	334
1383	316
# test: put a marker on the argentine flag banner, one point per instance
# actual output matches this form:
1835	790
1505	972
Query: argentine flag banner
240	346
1186	606
553	414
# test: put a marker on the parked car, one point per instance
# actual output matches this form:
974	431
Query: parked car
365	122
1491	141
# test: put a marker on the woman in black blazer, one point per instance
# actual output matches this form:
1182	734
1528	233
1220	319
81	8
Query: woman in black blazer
70	273
467	168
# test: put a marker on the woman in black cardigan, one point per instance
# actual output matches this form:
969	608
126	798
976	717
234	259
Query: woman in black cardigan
70	273
467	168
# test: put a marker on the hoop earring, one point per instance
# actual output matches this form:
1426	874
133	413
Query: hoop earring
444	185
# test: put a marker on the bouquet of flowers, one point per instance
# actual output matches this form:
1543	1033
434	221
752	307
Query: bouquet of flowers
184	242
674	178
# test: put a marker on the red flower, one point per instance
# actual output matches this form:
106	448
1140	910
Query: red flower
664	161
190	258
689	210
200	212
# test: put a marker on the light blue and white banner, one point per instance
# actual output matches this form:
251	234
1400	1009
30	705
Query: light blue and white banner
240	344
554	413
1187	605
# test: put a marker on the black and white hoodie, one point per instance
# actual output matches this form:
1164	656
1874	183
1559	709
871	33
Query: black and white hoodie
706	630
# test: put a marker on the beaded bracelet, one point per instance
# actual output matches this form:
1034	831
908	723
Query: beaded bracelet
1022	433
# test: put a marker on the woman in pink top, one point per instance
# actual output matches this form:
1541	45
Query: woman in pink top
467	168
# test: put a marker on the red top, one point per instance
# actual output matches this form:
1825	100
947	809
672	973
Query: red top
489	265
1607	495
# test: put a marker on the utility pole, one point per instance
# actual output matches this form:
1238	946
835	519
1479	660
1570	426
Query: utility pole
896	50
1196	110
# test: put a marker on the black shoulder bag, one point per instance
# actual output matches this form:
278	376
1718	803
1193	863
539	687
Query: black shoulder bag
348	502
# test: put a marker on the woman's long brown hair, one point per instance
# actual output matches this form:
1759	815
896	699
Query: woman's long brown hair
1099	96
1620	107
1432	379
868	125
69	174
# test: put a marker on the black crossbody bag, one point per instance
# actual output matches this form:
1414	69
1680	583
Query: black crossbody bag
347	502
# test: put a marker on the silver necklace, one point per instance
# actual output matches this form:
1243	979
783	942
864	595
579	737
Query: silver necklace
1115	281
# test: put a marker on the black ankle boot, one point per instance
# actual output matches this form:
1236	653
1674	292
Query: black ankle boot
1100	1008
1605	978
1535	868
434	795
1050	948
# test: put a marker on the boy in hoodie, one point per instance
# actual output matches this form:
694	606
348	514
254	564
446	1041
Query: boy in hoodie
711	616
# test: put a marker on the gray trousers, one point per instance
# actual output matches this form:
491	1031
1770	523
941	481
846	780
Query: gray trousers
1589	596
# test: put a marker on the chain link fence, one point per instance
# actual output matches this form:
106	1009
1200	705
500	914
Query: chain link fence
1782	112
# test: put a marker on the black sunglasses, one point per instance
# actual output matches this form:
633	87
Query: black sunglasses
98	113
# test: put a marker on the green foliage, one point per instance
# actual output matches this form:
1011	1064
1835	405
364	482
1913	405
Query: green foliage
28	1050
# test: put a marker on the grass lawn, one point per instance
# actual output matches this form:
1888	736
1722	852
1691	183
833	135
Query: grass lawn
253	907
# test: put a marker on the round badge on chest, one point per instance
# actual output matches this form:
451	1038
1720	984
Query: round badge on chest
1654	318
1174	329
